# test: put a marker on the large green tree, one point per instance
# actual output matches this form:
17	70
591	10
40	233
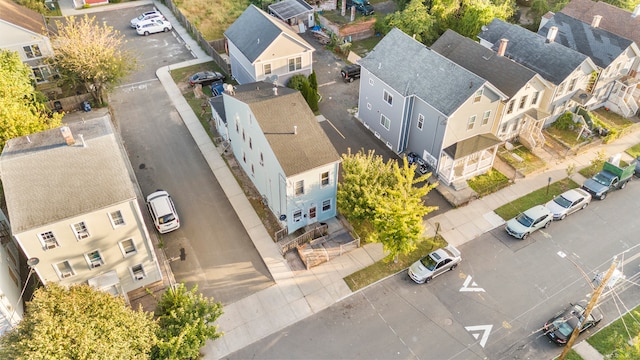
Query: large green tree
415	20
22	110
79	322
384	200
186	323
467	17
91	54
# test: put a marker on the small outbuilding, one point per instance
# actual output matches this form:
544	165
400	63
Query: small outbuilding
294	12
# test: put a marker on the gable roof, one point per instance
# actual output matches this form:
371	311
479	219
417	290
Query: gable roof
602	46
551	60
305	148
22	16
411	68
616	20
45	180
255	30
506	74
288	9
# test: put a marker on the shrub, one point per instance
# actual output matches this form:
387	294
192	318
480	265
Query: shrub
564	122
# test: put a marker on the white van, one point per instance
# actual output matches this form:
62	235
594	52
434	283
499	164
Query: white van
163	211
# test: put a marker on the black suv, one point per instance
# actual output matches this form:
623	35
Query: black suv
362	6
350	72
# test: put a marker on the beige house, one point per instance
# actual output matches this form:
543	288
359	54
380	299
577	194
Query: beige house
72	205
264	48
24	31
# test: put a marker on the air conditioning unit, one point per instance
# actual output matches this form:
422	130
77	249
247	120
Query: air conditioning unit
139	277
66	275
83	235
95	265
51	246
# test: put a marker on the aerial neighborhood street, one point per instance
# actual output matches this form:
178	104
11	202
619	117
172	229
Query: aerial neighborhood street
495	291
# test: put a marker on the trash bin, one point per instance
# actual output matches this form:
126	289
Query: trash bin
57	106
86	106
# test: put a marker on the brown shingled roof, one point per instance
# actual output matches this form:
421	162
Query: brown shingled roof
21	16
618	21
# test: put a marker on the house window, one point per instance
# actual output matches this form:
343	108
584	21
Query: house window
368	106
41	73
312	212
420	121
297	216
385	122
250	143
471	122
116	218
295	64
48	240
560	89
244	138
572	84
64	269
128	247
94	259
81	230
32	51
267	69
299	188
244	157
237	125
485	117
510	106
504	128
478	96
326	205
388	98
261	159
371	82
137	272
253	170
324	178
534	99
523	102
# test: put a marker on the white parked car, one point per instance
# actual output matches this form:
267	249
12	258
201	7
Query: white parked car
163	211
568	202
436	263
149	15
153	26
529	221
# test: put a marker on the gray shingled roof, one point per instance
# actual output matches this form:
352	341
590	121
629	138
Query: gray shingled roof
46	181
507	75
600	45
255	30
218	105
551	60
288	9
412	68
277	115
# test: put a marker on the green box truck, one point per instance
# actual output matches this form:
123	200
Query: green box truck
611	177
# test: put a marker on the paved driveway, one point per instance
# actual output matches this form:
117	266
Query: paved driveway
212	248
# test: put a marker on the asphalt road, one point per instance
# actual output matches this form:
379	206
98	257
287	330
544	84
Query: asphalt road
492	306
212	248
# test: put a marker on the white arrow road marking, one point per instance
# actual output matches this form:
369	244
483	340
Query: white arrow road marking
474	286
477	329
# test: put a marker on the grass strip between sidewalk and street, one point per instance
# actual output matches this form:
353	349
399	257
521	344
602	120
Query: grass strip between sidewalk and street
615	335
538	197
385	267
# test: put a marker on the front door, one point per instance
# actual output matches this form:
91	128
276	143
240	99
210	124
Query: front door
312	214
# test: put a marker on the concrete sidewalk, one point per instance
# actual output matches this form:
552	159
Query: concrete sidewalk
297	295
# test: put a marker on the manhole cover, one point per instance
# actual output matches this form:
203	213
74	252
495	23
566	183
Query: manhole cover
142	166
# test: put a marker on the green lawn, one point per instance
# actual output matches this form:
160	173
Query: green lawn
607	340
634	151
613	119
568	137
384	268
538	197
490	182
530	161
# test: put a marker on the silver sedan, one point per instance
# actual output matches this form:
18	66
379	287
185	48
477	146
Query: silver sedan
568	202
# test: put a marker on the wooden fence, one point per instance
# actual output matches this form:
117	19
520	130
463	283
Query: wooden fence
315	256
317	232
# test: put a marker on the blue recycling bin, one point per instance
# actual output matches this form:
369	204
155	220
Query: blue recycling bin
86	106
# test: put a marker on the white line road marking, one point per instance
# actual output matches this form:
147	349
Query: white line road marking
325	84
474	287
335	128
477	330
138	85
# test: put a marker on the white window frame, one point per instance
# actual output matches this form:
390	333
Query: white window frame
45	73
572	83
48	242
523	102
138	275
266	69
478	95
325	180
124	249
535	98
368	106
420	122
326	205
295	64
471	122
117	221
67	274
298	188
297	216
91	262
34	50
510	106
485	117
387	97
82	233
385	122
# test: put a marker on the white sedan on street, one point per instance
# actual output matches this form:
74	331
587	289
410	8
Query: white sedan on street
568	202
434	264
153	26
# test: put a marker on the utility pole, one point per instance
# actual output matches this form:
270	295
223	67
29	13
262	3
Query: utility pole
592	303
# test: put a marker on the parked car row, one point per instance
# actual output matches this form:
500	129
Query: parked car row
150	22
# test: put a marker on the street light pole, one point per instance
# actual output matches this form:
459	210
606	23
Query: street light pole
592	303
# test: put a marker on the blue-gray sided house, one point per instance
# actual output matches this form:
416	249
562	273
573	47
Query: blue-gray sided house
414	99
613	85
569	71
263	48
528	93
278	142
